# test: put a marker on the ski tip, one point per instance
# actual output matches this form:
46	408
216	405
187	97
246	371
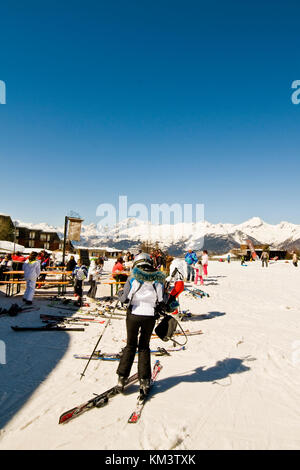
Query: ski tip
133	418
65	417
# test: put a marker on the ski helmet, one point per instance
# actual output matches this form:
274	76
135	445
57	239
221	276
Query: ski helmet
142	259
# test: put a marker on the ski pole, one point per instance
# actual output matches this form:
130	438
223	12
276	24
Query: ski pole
95	348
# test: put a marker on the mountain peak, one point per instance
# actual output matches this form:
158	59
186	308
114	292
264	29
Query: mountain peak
254	222
217	237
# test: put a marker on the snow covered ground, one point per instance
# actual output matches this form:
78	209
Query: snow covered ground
236	386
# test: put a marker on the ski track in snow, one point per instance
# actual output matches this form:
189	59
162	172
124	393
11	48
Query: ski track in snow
234	387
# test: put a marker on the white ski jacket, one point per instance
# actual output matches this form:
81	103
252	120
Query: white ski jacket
144	298
204	259
32	270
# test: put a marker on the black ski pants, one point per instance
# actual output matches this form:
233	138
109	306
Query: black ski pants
78	287
136	324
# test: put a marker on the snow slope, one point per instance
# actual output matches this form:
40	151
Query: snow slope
236	386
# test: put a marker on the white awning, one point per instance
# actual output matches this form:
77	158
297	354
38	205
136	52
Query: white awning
10	247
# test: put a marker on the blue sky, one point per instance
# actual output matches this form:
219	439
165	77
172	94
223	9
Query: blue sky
165	102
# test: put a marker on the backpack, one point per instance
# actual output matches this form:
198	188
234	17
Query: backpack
80	274
166	329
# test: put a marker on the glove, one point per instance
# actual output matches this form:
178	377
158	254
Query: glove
160	309
172	304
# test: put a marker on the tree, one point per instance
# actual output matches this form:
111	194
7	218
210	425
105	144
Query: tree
7	228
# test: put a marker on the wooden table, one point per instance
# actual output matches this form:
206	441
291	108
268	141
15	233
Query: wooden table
62	285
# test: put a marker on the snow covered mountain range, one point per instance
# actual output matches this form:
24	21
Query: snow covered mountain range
220	238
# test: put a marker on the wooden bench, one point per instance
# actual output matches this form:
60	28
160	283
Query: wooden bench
112	284
10	286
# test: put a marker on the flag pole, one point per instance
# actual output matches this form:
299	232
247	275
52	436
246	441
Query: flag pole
65	237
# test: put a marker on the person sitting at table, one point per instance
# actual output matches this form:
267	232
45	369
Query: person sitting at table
44	259
118	271
129	263
18	260
18	257
100	261
6	265
71	264
32	269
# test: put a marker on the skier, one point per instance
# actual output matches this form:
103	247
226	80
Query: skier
205	262
199	272
80	273
158	259
144	294
95	271
295	259
32	269
190	259
264	258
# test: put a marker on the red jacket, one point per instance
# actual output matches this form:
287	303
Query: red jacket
19	259
118	267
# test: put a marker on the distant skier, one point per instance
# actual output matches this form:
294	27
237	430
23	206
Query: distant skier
32	269
205	262
144	293
190	259
295	259
199	272
264	258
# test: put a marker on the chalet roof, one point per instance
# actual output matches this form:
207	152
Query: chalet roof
36	228
99	248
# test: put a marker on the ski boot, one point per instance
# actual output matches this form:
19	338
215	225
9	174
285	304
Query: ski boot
144	387
14	310
122	381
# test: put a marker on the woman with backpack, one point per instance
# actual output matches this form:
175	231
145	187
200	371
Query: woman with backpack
143	293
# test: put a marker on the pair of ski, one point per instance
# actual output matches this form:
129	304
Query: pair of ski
97	314
98	355
74	309
101	400
49	327
197	293
106	314
15	309
201	292
65	319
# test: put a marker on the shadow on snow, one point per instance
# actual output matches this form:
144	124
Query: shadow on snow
30	357
223	369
